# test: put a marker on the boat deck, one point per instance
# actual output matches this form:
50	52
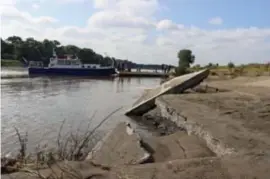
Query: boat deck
142	74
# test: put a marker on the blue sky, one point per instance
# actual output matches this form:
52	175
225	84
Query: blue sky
235	13
215	30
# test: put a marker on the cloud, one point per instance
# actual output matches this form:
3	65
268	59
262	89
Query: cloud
68	1
125	29
101	4
9	14
35	6
216	21
7	2
118	19
168	25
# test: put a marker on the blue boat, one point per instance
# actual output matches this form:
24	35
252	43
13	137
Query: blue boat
70	65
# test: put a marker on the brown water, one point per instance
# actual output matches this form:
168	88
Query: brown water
39	105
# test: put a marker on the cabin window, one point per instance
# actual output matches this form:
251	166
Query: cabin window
61	62
74	63
67	62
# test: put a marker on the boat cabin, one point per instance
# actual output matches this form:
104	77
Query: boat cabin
69	61
65	61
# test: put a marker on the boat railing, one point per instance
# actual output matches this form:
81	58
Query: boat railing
36	64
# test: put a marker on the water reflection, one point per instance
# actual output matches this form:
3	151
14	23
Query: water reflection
39	105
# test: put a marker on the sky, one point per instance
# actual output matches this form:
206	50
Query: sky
148	31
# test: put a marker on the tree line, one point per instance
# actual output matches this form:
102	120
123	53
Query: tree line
16	48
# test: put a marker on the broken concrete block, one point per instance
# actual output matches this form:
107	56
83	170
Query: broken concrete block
177	146
121	146
210	168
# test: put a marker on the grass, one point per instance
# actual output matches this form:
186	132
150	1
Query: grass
11	63
242	70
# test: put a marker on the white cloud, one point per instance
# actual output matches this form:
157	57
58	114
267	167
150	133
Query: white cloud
67	1
118	19
35	6
216	21
7	2
168	25
126	29
9	14
100	4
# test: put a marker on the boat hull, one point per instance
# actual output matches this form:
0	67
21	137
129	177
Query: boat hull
72	71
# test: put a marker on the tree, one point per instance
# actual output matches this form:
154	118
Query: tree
197	67
230	66
87	55
210	65
186	58
72	49
6	50
14	40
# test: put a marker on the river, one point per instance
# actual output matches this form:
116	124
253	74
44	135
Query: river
39	105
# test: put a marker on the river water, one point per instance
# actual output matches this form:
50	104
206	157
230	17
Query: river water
39	105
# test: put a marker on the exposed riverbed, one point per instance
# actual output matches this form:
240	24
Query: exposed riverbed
39	105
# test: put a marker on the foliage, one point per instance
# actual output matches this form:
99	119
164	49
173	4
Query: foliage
186	58
231	65
196	67
11	63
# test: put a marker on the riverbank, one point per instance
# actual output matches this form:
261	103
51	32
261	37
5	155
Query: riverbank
220	129
11	63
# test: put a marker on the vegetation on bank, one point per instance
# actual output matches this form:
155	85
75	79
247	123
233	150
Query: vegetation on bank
71	146
11	63
186	59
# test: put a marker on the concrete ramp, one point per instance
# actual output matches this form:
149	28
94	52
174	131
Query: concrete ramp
175	85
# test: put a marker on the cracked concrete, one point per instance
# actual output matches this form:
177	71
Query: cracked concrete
234	125
122	146
177	146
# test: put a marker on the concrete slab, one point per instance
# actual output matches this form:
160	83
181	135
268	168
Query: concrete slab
230	123
201	168
177	146
121	146
207	168
178	84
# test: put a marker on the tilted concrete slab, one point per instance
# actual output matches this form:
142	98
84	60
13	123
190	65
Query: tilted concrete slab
121	146
177	84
